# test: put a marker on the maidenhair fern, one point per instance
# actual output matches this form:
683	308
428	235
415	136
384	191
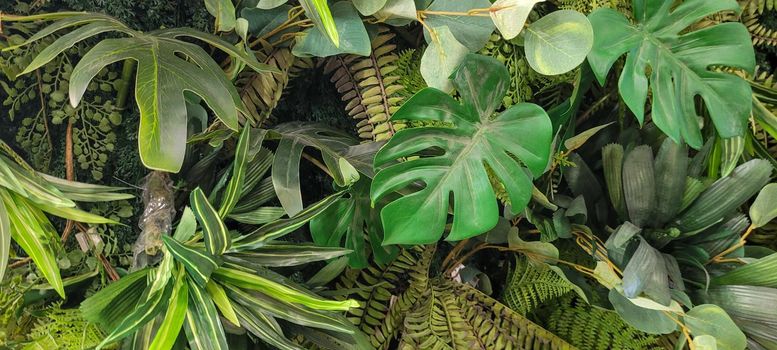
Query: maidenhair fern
530	286
261	92
371	92
589	327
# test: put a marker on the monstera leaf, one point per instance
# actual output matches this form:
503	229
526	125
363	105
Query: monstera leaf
454	159
167	67
678	65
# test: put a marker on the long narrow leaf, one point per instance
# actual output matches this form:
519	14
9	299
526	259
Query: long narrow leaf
215	232
5	238
176	313
79	187
222	302
264	327
199	264
285	254
235	186
117	299
75	214
143	313
203	326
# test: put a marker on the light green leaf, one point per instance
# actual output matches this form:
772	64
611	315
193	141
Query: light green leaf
170	327
76	214
764	209
679	65
186	226
144	312
214	231
198	264
510	16
646	320
350	29
30	228
606	275
761	272
475	139
537	252
203	326
5	237
219	297
108	306
368	7
581	138
711	320
74	187
280	291
705	342
284	254
441	58
558	42
239	168
397	12
324	19
270	4
224	11
471	31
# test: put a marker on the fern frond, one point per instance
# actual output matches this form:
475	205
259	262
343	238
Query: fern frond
530	286
588	327
588	6
438	323
261	92
64	329
409	72
368	87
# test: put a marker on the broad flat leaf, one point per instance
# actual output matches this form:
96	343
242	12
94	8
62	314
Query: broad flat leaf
350	29
606	275
353	220
646	272
474	140
671	169
705	342
397	12
764	209
472	31
646	320
33	232
510	16
581	138
170	327
761	272
711	320
639	186
559	42
262	21
144	312
214	231
678	65
162	76
280	291
619	242
753	309
441	58
203	326
284	254
198	264
5	237
368	7
325	20
295	136
224	11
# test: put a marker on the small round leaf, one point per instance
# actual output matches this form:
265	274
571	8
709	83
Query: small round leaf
558	42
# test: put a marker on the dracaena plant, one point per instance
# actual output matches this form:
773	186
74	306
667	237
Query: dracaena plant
166	67
678	250
212	278
26	197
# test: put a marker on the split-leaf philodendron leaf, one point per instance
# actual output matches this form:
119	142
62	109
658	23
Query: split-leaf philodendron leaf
514	144
678	65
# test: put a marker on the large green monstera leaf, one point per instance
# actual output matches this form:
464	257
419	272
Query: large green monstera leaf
166	68
678	64
454	158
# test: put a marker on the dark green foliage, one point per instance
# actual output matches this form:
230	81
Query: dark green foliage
589	327
530	286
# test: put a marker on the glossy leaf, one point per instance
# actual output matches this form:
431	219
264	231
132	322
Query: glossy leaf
239	168
510	16
219	297
323	18
472	31
198	264
558	42
224	11
186	226
264	327
214	231
764	209
646	272
285	254
76	214
170	327
441	58
295	136
474	139
144	312
678	65
203	326
34	233
712	320
352	35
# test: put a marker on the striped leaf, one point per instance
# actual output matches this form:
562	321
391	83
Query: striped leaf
261	215
215	232
37	190
117	299
34	233
186	227
285	254
199	264
8	179
79	187
239	169
161	275
271	231
176	313
280	291
264	327
203	326
5	238
75	214
144	312
222	302
97	197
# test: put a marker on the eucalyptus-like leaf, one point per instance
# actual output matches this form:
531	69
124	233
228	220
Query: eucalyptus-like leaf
472	31
368	7
510	16
711	320
646	272
646	320
678	64
397	12
764	209
441	58
474	141
558	42
224	12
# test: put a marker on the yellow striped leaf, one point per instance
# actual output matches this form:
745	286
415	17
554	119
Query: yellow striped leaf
176	313
199	264
215	232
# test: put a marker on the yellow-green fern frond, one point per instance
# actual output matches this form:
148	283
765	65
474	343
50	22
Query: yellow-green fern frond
530	286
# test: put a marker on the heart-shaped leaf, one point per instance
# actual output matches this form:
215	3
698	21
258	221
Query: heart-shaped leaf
515	145
677	64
